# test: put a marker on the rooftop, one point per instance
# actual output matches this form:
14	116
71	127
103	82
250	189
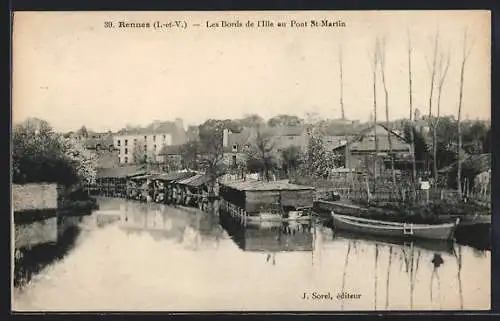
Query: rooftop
255	185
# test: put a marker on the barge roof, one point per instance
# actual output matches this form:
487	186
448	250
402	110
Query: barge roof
255	185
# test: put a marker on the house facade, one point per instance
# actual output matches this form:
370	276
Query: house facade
148	142
140	144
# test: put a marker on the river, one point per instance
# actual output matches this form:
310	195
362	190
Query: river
130	256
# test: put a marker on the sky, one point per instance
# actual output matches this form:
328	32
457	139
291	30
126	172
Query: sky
71	71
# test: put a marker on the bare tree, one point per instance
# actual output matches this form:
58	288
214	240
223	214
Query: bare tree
431	95
386	96
412	138
465	54
374	73
342	105
442	70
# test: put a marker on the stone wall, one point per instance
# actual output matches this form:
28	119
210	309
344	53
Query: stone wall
39	232
34	196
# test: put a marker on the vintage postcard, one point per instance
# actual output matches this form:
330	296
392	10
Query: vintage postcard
251	161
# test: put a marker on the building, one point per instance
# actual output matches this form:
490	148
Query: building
280	138
362	148
147	142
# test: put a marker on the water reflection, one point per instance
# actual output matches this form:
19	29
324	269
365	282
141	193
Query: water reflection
173	258
411	255
30	261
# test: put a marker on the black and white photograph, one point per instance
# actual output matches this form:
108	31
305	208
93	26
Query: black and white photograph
251	161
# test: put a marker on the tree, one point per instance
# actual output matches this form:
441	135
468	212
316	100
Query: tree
438	72
374	73
139	153
317	161
284	120
341	74
474	136
465	54
211	134
84	161
291	157
487	142
260	154
442	70
41	155
190	152
386	96
410	88
251	120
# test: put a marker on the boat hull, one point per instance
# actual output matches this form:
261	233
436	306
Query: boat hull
392	229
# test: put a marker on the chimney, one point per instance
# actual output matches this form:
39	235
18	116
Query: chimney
179	123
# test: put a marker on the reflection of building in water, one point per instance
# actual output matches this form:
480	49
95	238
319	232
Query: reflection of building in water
269	237
197	228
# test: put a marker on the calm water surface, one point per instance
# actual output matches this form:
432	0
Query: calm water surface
135	256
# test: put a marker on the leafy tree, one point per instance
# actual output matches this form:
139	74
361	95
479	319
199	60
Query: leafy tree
189	152
473	137
251	120
284	120
317	161
41	155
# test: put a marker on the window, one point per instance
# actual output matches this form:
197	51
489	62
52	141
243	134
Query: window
235	148
126	151
154	138
118	142
234	160
125	160
164	136
145	137
290	137
145	147
135	141
145	158
126	142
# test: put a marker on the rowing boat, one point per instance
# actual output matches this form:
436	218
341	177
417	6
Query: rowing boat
394	229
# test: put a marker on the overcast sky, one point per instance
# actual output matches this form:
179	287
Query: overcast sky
71	71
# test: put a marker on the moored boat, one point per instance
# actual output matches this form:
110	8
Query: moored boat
394	229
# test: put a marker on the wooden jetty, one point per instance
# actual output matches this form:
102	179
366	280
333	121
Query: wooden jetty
261	200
